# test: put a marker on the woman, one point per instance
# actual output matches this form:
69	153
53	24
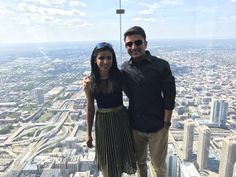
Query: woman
114	145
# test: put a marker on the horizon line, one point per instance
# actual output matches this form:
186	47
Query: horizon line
78	41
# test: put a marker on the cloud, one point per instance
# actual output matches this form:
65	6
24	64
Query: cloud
77	22
150	8
172	2
48	18
46	2
233	0
75	12
32	9
73	22
228	18
34	14
6	12
20	20
77	3
26	8
222	18
51	2
143	19
124	1
85	24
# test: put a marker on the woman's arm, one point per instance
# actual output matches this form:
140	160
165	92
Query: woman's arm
90	110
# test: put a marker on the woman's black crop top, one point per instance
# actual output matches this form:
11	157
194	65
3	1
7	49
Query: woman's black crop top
109	100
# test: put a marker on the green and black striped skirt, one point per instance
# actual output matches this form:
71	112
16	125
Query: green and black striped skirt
114	144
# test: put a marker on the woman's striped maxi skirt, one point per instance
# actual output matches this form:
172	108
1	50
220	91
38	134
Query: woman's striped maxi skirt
114	145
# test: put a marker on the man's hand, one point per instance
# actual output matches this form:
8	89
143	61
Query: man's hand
89	142
87	83
167	125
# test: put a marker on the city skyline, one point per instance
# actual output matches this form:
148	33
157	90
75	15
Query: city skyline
49	138
79	20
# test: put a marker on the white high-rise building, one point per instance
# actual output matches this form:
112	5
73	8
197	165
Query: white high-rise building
228	157
219	111
234	172
39	96
203	146
188	139
171	161
187	169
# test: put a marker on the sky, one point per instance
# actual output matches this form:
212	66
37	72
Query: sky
23	21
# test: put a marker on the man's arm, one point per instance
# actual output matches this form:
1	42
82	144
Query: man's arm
168	89
169	93
124	79
167	116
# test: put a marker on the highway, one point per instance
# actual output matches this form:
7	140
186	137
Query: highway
44	136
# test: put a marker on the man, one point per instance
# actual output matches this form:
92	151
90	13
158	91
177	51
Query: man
151	91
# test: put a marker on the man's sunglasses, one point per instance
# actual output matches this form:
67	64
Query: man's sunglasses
101	45
137	43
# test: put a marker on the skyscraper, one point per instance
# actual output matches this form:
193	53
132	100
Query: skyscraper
39	96
219	111
171	161
228	157
187	169
234	171
188	139
203	146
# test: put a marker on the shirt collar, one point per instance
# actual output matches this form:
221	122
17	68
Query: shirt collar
147	57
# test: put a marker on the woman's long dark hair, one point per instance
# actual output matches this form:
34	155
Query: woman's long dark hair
114	72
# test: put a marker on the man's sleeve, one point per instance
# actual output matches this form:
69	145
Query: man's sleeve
168	87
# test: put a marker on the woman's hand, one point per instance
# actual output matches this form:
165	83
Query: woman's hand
89	141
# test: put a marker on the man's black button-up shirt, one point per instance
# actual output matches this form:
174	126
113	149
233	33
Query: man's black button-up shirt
151	89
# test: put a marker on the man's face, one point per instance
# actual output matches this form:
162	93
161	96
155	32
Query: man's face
135	45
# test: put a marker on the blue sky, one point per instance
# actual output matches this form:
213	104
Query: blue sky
86	20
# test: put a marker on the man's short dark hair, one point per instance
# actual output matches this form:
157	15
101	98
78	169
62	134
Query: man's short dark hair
135	30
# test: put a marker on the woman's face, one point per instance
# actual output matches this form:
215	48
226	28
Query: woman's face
104	61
